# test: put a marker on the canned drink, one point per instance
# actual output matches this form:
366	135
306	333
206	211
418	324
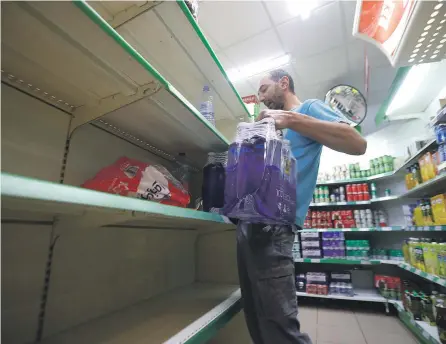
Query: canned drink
341	190
354	188
387	192
360	196
342	198
349	189
332	198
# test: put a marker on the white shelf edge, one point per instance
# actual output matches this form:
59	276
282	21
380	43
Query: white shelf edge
360	295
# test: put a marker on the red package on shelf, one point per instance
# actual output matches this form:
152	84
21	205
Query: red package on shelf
129	177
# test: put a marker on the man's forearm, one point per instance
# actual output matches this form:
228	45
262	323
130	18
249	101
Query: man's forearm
337	136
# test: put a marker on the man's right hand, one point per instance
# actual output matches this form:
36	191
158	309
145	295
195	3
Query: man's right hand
283	119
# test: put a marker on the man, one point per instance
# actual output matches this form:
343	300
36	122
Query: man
265	263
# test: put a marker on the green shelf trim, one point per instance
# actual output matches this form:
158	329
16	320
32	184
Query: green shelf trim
357	180
205	42
414	326
33	189
425	275
97	19
212	328
426	228
401	74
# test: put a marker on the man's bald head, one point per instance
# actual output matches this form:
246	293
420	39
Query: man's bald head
273	88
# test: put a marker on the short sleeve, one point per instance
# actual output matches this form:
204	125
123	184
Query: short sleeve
322	111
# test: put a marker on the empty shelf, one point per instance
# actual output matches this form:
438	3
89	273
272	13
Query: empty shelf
180	316
65	54
85	207
167	35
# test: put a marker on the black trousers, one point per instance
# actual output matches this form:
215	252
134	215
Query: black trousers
267	283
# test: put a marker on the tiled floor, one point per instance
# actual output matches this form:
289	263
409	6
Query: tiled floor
336	326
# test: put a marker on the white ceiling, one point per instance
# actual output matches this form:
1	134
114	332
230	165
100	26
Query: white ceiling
324	52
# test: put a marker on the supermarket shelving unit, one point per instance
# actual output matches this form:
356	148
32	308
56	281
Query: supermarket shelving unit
79	90
395	229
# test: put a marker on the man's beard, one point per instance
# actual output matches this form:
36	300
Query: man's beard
272	105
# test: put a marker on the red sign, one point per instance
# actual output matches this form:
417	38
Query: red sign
384	22
250	99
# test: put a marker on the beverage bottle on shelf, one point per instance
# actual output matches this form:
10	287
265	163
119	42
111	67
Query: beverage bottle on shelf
207	106
213	188
373	190
416	174
409	179
230	195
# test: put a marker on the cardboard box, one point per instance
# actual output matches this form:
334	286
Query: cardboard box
439	209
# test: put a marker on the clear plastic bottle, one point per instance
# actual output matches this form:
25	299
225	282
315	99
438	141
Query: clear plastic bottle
206	105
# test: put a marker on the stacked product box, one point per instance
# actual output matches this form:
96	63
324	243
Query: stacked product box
311	245
357	249
301	283
317	283
308	221
364	218
343	219
357	192
408	212
350	193
341	283
296	248
321	219
333	245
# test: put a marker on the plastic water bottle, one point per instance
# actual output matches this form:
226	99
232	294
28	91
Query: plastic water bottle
206	105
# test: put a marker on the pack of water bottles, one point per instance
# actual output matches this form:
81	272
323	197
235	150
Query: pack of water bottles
260	176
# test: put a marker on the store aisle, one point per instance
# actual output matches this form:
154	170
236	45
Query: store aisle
327	325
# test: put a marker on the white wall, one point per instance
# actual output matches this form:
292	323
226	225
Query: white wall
391	140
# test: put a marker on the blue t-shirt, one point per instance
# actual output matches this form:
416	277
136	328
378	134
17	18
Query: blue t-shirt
308	153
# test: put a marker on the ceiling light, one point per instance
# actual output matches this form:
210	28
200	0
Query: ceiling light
410	85
302	8
257	67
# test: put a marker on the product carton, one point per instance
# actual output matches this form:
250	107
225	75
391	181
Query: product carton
439	209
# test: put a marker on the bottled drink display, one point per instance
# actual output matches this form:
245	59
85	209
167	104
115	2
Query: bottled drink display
422	304
213	188
426	212
206	105
260	176
426	254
